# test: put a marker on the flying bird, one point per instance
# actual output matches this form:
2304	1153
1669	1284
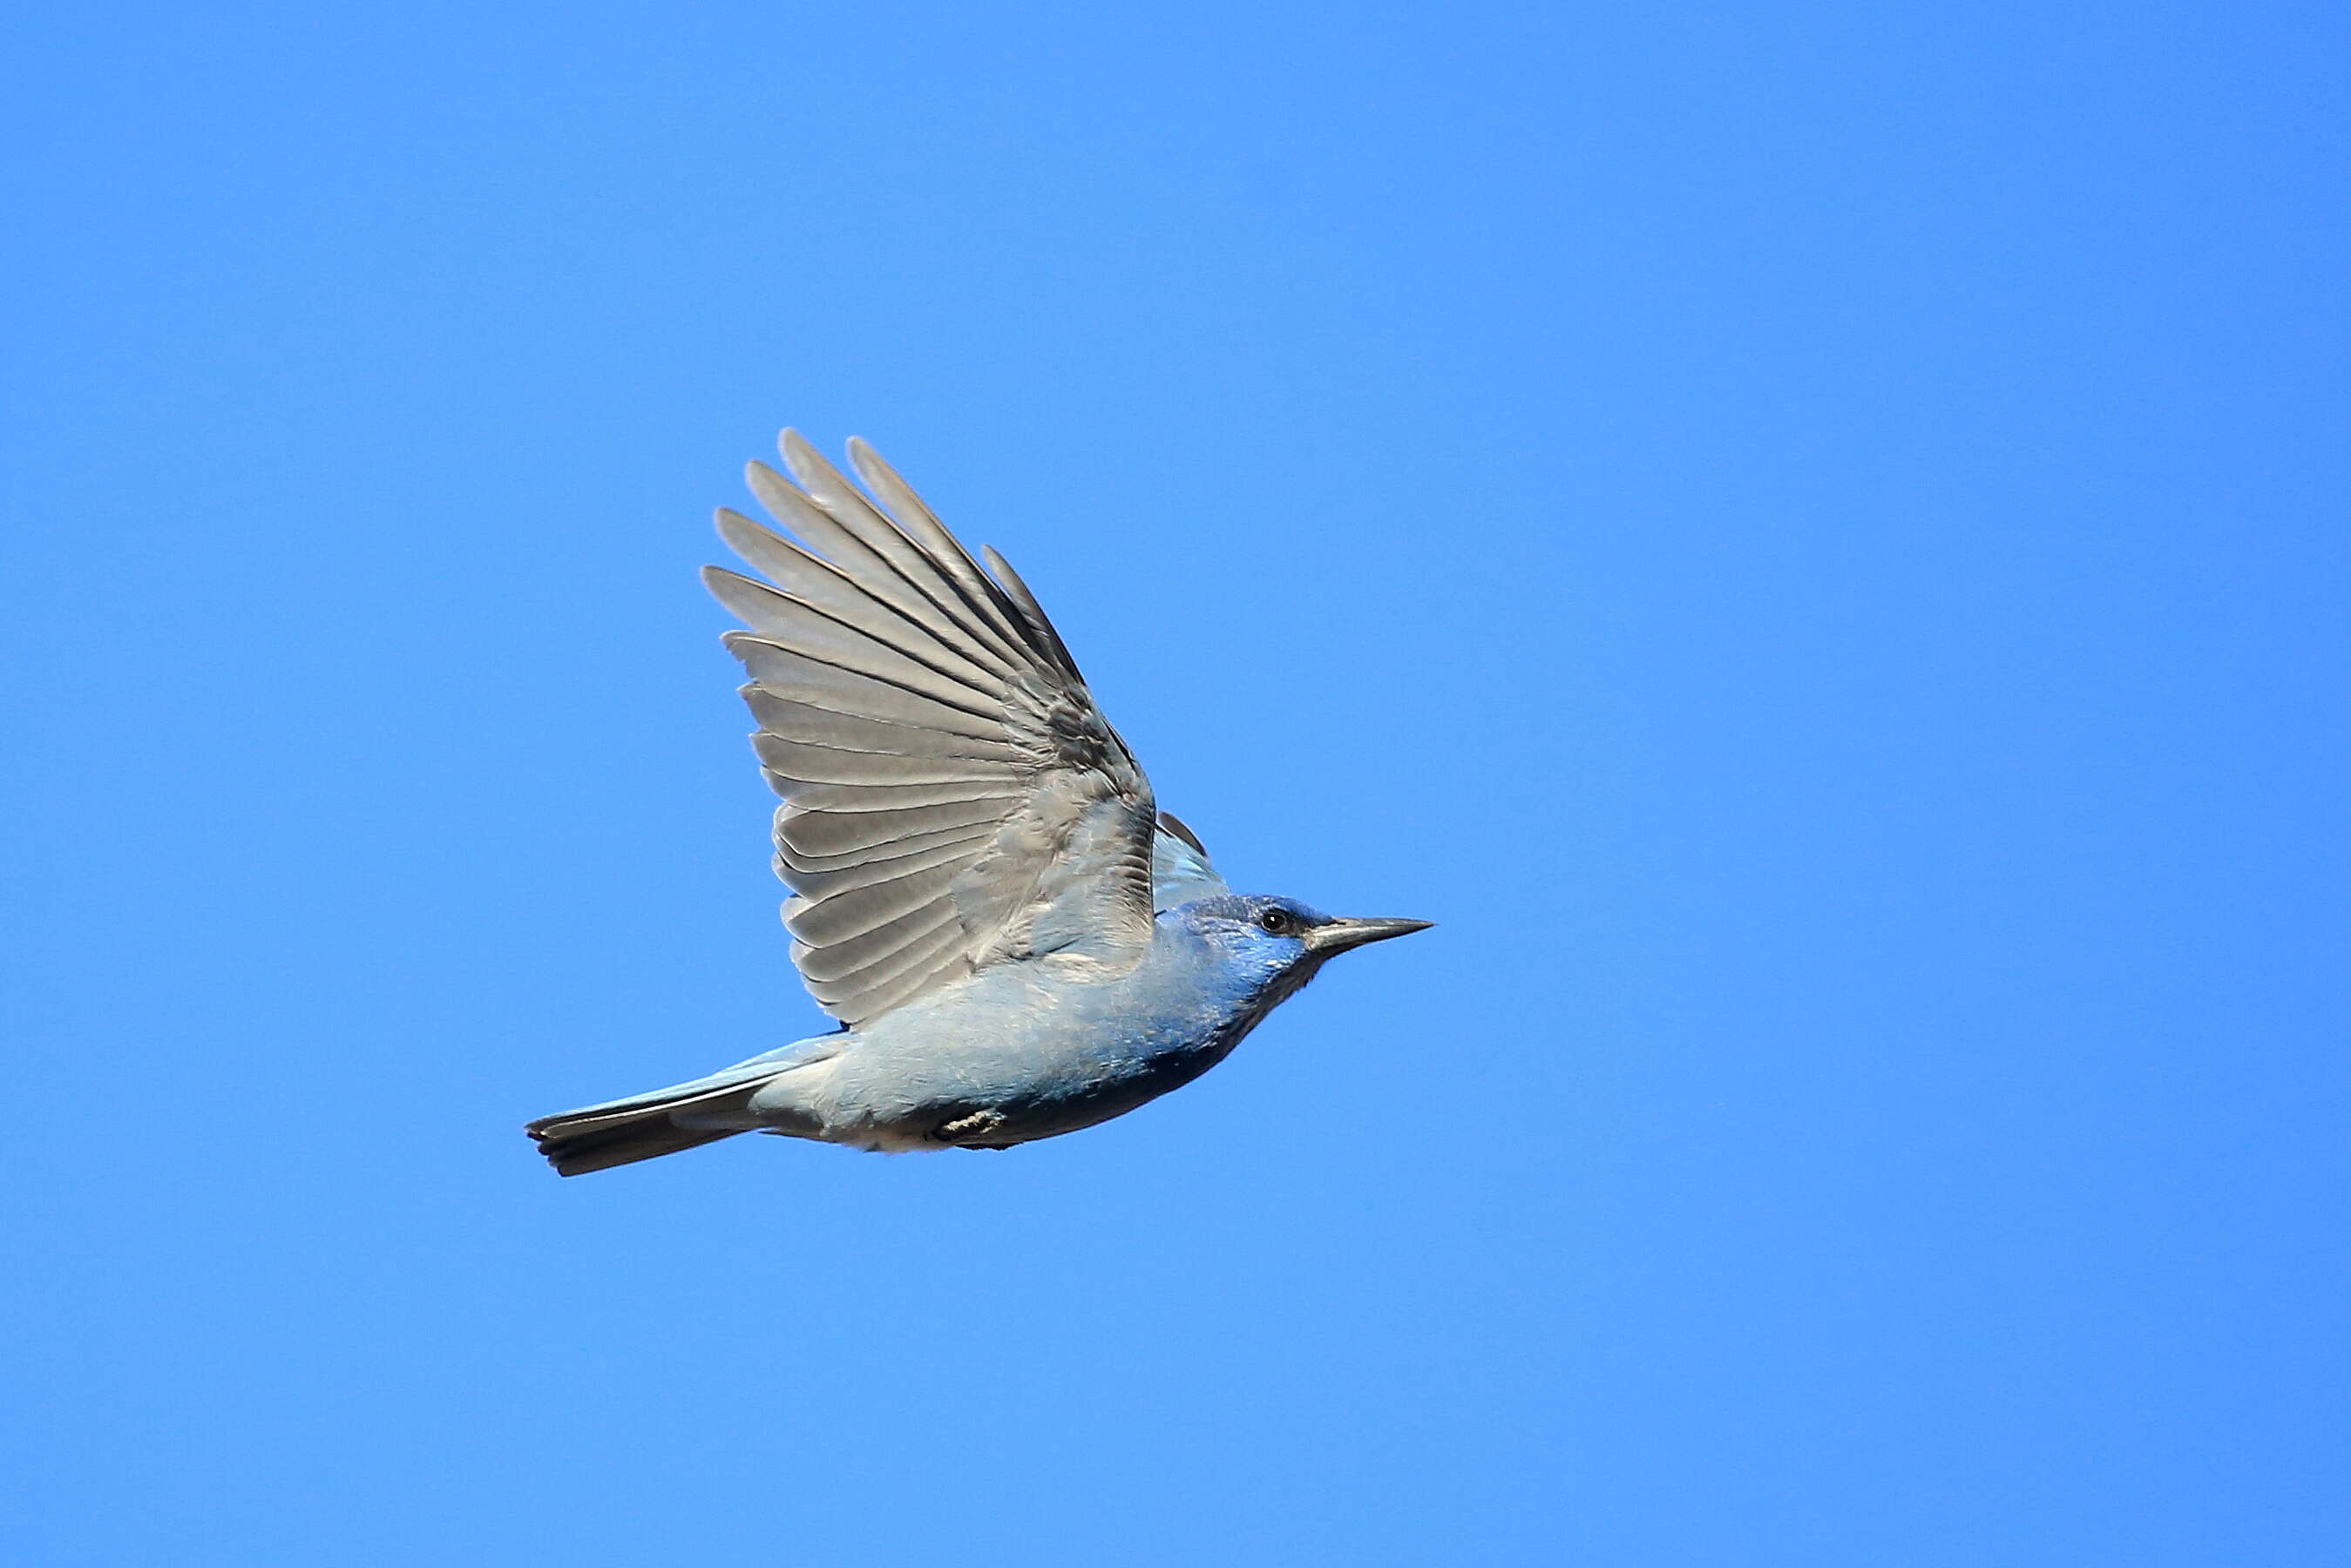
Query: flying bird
1017	942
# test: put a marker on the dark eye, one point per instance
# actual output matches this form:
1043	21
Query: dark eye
1276	922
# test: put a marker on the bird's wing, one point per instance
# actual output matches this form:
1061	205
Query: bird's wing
952	797
1180	871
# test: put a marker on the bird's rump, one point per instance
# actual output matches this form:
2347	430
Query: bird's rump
952	795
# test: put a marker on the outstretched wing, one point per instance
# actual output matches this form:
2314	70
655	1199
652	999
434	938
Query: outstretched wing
952	795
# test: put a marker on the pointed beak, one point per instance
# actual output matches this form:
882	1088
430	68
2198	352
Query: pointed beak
1339	936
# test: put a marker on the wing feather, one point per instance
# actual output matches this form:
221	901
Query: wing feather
812	767
900	977
857	911
796	865
952	795
1041	630
781	618
860	797
803	723
926	578
820	834
858	693
825	586
815	884
1180	871
914	514
842	960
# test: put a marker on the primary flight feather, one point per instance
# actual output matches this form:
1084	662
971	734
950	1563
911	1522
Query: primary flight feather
1017	941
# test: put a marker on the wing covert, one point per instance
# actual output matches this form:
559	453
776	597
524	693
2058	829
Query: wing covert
1180	871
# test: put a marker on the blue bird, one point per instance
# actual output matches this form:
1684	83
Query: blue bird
1017	941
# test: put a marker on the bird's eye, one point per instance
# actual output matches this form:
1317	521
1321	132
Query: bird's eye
1276	922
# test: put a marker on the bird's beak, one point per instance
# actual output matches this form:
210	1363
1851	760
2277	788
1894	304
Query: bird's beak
1339	936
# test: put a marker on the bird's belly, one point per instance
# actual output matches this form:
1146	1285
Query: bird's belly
995	1100
1068	1108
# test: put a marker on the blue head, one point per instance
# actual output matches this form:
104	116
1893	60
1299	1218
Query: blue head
1270	947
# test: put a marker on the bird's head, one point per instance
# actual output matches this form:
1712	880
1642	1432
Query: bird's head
1276	945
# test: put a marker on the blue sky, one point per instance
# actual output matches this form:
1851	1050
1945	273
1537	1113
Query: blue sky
1811	539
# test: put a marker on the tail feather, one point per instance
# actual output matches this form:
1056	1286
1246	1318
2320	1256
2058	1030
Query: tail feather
643	1126
576	1151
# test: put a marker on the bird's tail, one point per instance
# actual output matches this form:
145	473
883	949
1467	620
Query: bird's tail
662	1121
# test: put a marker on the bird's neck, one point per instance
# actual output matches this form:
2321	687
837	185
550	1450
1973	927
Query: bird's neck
1227	994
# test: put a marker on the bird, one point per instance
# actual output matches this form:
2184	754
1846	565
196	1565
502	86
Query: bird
1014	940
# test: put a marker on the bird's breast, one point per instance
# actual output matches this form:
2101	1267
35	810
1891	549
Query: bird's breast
1012	1063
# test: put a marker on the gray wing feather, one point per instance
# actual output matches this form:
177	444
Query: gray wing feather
925	573
829	589
852	636
970	583
1033	614
829	835
805	725
854	871
856	693
952	795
